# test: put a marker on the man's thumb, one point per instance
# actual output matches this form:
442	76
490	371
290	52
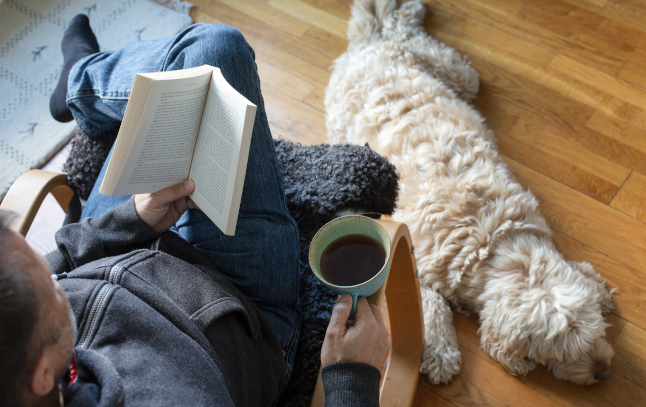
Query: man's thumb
175	192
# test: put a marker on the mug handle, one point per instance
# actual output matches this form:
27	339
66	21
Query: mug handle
355	297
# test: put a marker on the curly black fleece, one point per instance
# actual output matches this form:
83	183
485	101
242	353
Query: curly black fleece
86	158
319	182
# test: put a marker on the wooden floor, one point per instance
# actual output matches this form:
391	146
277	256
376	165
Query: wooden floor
563	84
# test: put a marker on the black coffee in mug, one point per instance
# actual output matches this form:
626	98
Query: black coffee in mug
352	259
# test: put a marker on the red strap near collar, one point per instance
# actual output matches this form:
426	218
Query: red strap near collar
73	371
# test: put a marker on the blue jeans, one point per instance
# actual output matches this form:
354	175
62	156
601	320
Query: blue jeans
262	259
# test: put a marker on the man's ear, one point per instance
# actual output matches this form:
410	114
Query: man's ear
43	376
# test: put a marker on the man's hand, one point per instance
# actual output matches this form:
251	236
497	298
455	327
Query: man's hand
162	209
366	341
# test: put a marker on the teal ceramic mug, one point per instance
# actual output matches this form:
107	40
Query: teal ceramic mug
351	225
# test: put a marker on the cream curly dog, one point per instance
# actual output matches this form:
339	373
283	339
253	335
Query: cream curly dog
481	242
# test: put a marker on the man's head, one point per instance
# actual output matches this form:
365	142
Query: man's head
37	327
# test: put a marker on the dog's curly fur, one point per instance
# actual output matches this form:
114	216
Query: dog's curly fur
481	243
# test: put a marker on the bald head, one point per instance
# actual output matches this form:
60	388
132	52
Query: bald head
37	331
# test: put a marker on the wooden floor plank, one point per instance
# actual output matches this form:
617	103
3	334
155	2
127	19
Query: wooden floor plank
538	64
496	118
331	45
587	220
339	8
561	115
576	35
630	345
635	4
288	62
270	15
276	38
316	99
427	397
634	73
588	30
567	150
437	15
623	132
563	160
497	387
552	28
283	80
631	198
515	53
289	118
624	13
201	17
313	15
605	92
590	5
630	295
510	92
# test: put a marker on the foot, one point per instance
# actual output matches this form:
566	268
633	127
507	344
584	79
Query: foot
78	42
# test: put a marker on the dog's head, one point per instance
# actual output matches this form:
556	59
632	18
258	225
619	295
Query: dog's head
552	314
575	347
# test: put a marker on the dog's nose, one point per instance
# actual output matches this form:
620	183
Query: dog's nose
602	372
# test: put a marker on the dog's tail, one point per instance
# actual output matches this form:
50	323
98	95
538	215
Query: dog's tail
370	17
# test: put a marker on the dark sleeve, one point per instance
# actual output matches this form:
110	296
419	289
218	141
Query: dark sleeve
351	384
115	232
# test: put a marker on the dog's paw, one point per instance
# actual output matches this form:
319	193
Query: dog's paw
517	366
440	365
441	358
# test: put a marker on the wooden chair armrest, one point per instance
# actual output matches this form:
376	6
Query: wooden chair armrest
404	302
28	192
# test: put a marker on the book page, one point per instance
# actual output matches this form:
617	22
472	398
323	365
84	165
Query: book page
163	146
220	158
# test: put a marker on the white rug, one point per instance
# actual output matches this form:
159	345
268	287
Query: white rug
31	62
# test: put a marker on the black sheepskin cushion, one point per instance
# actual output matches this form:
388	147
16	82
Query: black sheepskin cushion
86	158
324	179
320	181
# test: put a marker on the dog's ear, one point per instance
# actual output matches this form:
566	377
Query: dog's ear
551	333
504	335
567	329
605	295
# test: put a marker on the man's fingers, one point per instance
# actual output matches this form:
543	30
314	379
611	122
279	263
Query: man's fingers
341	311
174	193
363	310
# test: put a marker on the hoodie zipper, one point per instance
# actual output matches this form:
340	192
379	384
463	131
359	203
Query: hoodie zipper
99	300
120	266
114	271
155	245
94	314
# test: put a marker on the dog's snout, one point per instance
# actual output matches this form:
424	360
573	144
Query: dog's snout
602	372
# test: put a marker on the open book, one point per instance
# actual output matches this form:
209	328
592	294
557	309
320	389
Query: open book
179	125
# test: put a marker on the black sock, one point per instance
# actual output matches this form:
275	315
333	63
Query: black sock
78	42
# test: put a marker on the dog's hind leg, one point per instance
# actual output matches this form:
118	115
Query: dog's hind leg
408	18
438	58
367	19
441	358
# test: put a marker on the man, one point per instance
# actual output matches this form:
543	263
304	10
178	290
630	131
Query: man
182	317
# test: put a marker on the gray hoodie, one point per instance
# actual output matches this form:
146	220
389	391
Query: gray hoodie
159	325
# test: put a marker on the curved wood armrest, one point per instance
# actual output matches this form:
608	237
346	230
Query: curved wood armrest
28	192
404	302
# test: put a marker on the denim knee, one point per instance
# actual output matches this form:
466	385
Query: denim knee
213	44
